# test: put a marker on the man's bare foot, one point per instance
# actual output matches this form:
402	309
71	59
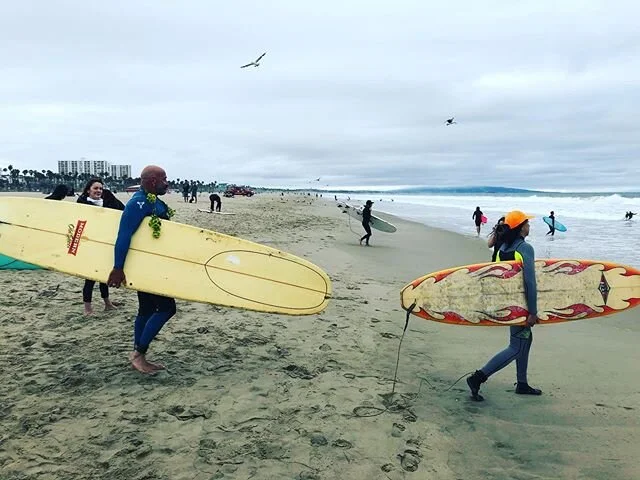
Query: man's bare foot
156	366
140	363
88	309
108	305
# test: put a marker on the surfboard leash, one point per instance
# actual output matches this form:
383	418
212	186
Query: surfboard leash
380	411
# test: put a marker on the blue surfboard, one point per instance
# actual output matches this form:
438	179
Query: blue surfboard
559	227
9	263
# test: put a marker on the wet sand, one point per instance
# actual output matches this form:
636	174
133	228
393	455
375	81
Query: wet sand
250	395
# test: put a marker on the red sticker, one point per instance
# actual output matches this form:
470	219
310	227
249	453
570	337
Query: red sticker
75	239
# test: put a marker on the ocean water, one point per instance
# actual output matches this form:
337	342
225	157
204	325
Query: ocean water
595	223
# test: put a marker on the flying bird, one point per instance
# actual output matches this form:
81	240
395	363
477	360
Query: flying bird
450	121
256	63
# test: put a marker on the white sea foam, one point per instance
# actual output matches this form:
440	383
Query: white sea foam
595	223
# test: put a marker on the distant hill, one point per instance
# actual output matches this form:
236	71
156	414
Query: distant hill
481	189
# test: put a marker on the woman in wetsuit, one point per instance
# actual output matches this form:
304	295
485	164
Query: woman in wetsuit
366	222
95	194
513	234
477	216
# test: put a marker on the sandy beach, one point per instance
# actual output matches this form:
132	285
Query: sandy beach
257	396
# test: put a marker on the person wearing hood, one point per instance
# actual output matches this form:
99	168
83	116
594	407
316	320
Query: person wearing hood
59	193
95	194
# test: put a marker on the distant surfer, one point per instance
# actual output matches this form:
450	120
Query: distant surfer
495	241
513	233
552	226
366	222
216	202
450	121
194	192
95	194
185	191
153	310
629	215
477	216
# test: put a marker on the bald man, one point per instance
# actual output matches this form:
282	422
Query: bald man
153	310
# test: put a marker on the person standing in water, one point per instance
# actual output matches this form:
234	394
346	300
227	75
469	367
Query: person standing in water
93	194
366	222
477	216
513	233
552	227
494	241
153	310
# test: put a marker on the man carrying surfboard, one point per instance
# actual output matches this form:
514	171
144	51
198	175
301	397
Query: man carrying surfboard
552	226
366	222
515	230
153	310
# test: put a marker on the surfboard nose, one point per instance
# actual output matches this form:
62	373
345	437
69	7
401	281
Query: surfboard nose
263	280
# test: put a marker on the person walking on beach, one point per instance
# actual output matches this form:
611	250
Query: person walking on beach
495	241
94	194
216	202
477	216
366	222
153	310
552	227
513	233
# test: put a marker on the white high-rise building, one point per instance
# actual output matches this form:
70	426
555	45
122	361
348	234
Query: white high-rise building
93	167
120	171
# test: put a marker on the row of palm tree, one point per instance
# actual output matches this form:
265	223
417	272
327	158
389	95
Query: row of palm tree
12	178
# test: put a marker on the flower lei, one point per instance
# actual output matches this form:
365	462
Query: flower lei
155	223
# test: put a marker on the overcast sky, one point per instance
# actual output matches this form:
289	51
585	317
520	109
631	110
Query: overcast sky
545	93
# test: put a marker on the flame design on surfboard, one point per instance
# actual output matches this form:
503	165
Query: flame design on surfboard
492	294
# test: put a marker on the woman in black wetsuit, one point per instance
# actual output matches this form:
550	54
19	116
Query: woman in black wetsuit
477	216
366	222
95	194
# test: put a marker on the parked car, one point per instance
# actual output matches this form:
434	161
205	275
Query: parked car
233	190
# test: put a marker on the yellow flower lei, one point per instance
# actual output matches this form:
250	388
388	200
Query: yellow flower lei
155	223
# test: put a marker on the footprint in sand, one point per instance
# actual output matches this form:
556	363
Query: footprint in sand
388	335
410	459
341	443
397	429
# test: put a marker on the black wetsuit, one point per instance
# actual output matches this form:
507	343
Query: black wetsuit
108	202
216	202
477	215
552	227
366	224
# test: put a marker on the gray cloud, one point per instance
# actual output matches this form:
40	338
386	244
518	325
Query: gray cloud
545	93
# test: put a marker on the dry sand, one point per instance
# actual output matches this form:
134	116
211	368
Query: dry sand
249	395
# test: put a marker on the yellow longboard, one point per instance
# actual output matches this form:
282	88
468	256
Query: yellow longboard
186	262
490	294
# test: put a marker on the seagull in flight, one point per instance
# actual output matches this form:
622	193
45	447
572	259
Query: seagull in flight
256	63
450	121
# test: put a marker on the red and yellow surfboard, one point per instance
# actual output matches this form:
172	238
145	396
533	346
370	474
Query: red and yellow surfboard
492	294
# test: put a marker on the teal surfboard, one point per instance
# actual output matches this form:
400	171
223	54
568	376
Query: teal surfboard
9	263
559	227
